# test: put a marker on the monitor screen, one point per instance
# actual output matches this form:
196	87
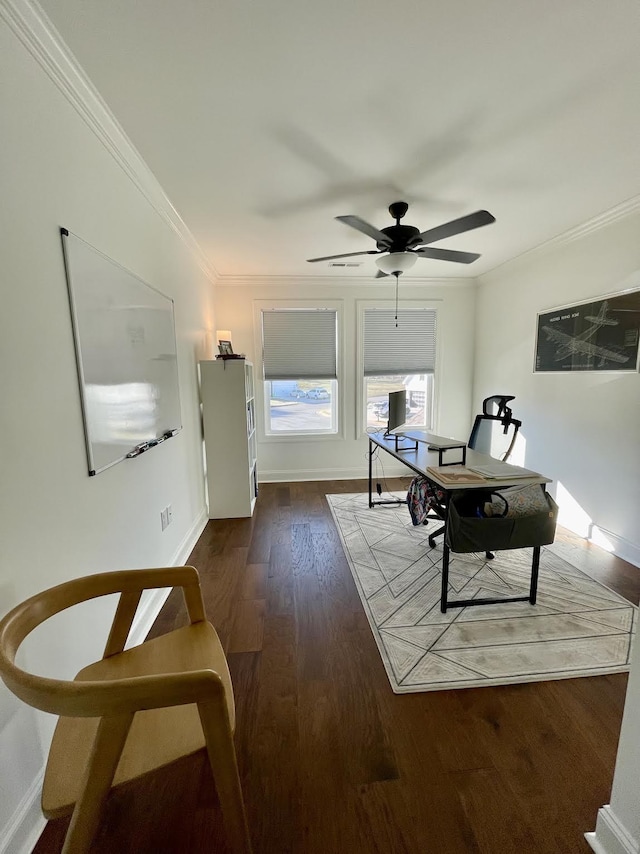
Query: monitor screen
397	409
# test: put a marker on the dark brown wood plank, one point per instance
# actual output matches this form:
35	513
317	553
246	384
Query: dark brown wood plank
248	626
254	582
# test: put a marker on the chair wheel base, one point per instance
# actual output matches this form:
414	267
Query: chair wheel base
432	542
489	555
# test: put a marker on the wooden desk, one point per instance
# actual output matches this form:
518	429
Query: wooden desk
419	458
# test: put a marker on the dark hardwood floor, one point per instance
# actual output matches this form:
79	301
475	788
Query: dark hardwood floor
331	760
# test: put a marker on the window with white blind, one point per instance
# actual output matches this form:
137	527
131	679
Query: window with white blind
398	353
299	357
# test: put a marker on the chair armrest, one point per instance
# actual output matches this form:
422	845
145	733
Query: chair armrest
129	580
23	619
91	699
119	696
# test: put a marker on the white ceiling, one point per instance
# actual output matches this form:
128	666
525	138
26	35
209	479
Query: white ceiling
264	120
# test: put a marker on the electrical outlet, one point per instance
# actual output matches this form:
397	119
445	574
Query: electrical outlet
166	517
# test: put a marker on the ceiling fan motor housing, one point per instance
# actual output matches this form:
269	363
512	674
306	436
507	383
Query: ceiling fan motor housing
401	238
398	210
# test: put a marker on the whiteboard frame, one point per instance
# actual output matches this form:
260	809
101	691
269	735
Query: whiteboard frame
145	446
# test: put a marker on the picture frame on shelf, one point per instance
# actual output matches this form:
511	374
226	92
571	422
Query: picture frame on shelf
225	348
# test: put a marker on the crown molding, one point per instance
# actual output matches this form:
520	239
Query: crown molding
38	34
625	209
621	211
337	281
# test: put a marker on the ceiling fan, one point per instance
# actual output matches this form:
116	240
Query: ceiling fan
400	245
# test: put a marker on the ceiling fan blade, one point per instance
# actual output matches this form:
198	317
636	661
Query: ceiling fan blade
457	226
380	275
346	255
365	228
447	255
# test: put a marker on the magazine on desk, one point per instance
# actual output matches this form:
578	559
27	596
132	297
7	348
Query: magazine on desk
455	474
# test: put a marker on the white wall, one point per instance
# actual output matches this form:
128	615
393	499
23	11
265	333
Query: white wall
580	429
57	523
344	456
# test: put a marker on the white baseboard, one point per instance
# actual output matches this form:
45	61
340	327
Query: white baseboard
146	615
190	539
21	833
152	604
611	836
333	474
623	548
23	830
617	545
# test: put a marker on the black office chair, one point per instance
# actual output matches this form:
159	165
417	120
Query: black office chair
493	433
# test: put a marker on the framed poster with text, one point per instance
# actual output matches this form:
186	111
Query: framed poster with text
599	335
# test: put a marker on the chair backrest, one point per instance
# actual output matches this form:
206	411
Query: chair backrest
95	699
495	429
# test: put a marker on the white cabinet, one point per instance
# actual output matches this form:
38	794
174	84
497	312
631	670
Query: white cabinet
228	412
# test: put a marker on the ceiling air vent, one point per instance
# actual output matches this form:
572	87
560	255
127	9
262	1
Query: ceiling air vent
345	264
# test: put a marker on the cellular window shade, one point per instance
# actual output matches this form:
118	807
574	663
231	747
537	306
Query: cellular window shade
299	344
408	349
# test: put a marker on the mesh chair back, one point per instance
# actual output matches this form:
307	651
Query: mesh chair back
494	431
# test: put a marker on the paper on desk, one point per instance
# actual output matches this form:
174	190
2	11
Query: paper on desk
503	471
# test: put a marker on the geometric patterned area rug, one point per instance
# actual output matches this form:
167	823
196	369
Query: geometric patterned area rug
577	628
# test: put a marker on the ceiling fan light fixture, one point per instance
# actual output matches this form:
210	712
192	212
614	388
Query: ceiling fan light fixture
396	262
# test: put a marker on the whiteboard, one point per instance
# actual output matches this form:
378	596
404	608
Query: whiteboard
124	334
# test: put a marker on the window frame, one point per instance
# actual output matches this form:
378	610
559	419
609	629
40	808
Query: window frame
361	429
261	400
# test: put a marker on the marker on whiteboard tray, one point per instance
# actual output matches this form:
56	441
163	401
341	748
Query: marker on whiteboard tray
139	449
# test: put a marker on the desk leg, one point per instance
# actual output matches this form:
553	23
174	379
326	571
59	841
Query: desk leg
445	578
535	565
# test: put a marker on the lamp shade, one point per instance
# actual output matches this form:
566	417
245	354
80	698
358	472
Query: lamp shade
223	335
396	262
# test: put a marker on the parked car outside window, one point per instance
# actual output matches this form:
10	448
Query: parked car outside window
298	392
318	394
381	410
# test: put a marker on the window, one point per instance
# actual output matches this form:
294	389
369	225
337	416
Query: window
396	357
299	348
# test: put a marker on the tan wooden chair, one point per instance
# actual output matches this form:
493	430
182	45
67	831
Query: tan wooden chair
134	710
